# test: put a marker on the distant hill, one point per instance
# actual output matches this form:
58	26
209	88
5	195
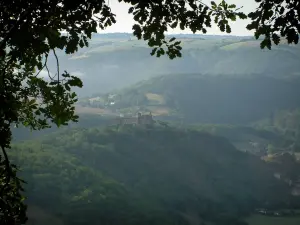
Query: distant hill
144	176
115	61
196	98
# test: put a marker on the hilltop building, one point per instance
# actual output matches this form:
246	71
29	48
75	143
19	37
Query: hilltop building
140	119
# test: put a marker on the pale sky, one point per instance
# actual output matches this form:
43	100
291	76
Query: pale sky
125	21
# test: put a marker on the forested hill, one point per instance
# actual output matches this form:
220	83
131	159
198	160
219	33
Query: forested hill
144	176
197	98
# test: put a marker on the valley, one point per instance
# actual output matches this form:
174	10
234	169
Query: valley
227	125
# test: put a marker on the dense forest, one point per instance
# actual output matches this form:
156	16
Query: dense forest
146	176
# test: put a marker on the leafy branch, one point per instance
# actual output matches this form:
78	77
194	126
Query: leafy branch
155	17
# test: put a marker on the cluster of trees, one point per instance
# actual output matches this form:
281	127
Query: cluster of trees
287	166
141	176
238	133
85	121
285	123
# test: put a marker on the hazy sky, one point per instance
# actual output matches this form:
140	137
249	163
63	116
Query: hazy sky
125	21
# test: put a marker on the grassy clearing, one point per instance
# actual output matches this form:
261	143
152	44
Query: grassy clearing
159	111
155	97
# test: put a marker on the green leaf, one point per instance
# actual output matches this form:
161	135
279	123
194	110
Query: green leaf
172	39
174	25
31	102
266	43
214	5
81	43
242	15
228	29
276	38
130	10
153	51
73	95
232	17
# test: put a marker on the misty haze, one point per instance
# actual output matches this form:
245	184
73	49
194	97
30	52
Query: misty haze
208	138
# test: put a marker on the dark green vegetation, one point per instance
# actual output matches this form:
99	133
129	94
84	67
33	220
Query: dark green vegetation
287	124
85	121
145	176
264	220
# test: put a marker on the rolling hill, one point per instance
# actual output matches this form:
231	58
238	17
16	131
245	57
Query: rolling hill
196	98
115	61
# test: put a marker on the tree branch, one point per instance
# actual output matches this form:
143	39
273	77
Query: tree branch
57	65
45	65
6	169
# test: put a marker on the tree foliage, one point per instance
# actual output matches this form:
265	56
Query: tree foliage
31	30
276	19
154	18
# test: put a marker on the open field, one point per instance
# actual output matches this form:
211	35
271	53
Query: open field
159	111
155	97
